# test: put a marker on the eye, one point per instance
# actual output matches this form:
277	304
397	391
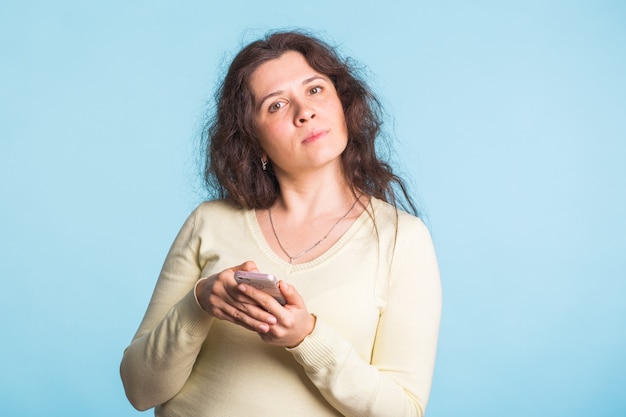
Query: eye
315	90
274	107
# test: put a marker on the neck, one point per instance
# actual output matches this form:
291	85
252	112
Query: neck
304	226
317	200
316	192
311	213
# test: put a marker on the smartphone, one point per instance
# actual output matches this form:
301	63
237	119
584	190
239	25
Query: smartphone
264	282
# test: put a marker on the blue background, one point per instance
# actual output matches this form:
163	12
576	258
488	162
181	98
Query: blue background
510	118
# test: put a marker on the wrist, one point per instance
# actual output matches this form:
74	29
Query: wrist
312	319
195	291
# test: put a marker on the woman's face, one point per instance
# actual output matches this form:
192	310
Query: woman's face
298	116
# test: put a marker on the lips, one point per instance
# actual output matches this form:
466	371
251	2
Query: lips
314	135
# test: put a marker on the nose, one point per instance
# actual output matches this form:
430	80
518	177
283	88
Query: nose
304	113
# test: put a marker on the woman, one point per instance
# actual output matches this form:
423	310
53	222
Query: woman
303	197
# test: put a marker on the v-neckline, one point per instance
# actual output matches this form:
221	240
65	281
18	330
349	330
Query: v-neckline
255	228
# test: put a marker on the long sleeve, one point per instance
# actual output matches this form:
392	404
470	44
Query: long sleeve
396	382
161	356
376	294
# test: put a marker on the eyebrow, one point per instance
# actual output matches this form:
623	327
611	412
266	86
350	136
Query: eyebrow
279	92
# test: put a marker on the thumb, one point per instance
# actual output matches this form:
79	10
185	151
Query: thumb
248	266
291	295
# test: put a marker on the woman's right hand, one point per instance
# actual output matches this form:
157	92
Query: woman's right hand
218	295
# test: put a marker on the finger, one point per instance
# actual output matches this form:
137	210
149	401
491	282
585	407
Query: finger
259	297
241	297
229	285
244	319
249	266
292	296
252	314
230	294
229	282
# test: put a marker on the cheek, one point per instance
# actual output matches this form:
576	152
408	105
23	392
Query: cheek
264	130
271	135
341	118
340	115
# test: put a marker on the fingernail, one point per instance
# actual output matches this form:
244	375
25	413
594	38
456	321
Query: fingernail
272	319
264	328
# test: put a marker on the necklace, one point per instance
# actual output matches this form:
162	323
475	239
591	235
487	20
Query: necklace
304	252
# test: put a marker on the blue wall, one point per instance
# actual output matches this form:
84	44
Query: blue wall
510	118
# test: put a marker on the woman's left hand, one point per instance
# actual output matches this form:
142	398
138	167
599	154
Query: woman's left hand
293	321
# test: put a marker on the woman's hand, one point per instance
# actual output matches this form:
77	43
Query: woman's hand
219	296
254	309
293	321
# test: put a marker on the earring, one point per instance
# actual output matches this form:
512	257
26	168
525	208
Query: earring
264	164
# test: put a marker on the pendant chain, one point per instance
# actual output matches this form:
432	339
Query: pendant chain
304	252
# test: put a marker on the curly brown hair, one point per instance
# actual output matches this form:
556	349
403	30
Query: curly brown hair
232	162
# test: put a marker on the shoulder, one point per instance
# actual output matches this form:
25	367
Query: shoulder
216	212
400	222
218	206
411	247
408	236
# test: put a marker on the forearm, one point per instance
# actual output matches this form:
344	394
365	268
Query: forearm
352	385
394	379
158	362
